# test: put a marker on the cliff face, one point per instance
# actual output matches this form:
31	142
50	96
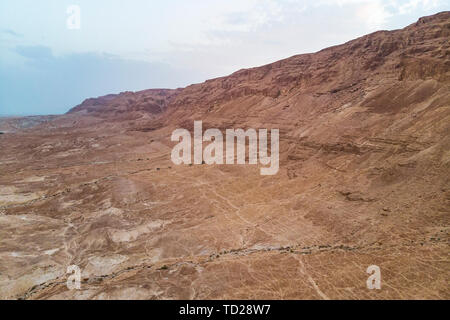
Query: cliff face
152	101
364	180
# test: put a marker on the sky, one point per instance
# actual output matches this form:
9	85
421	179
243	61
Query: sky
56	53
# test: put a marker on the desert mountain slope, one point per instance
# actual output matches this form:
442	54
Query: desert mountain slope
364	180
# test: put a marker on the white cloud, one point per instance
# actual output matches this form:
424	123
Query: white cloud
411	5
248	18
373	14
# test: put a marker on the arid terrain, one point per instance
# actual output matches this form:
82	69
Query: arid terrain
364	180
